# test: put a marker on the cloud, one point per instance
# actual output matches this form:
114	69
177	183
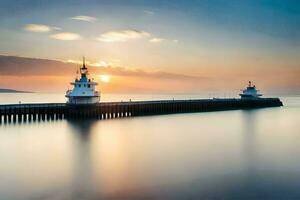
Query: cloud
122	71
159	40
74	61
101	63
122	36
84	18
148	12
37	28
56	28
23	66
52	75
156	40
66	36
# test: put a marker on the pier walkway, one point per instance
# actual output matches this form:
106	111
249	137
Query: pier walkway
106	110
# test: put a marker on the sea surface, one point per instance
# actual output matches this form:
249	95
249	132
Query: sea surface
241	154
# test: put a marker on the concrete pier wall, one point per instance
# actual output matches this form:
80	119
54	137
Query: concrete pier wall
54	111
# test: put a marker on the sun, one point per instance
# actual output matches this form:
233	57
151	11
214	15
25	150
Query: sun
104	78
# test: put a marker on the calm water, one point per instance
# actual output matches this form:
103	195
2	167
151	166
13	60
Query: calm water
251	154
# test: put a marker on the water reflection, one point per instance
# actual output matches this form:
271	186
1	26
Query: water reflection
250	154
103	168
101	164
249	132
107	165
82	179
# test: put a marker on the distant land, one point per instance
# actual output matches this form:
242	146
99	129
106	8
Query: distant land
4	90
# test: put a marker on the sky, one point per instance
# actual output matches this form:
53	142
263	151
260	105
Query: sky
151	45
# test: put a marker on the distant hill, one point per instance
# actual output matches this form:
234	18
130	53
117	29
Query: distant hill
3	90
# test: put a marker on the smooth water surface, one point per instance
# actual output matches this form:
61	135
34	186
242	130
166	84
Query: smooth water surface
242	154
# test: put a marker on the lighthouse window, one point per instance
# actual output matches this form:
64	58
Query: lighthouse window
79	85
89	85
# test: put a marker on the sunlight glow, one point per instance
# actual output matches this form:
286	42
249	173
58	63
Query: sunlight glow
105	78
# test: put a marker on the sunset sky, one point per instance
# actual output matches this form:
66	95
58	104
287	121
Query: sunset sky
151	45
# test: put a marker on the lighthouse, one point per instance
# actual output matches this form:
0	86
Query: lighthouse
250	92
84	89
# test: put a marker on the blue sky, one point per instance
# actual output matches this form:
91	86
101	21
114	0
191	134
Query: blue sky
274	17
202	37
275	22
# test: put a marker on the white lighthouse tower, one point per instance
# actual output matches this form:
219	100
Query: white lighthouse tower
84	91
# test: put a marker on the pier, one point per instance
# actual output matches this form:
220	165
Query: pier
12	113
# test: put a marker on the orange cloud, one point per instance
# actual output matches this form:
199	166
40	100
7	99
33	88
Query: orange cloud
122	36
37	28
66	36
50	75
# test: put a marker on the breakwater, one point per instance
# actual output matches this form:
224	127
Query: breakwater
107	110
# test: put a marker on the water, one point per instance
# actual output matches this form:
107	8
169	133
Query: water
242	154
